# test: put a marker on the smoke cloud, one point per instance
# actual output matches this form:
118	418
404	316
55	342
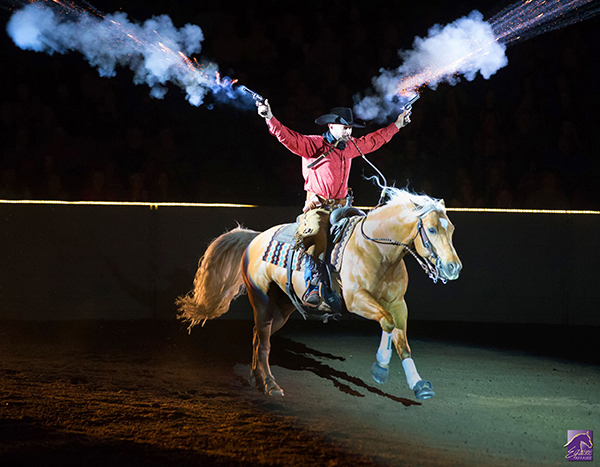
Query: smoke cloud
156	51
466	47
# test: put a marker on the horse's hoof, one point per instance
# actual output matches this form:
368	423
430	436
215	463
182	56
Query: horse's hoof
423	390
252	380
276	392
272	388
380	373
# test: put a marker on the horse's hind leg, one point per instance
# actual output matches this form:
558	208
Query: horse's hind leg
261	372
269	317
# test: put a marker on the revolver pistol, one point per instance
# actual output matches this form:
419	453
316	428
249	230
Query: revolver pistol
256	96
408	105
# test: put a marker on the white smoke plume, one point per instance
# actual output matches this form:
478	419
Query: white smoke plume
156	51
465	47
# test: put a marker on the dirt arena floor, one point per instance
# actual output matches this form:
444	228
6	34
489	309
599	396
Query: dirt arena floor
149	394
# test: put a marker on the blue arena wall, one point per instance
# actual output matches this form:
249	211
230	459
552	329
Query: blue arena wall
65	261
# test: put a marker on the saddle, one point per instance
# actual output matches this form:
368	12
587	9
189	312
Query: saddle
340	229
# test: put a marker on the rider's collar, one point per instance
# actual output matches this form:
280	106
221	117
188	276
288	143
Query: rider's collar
331	140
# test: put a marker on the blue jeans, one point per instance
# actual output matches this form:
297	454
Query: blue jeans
309	271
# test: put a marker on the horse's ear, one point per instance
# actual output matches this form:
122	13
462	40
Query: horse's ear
415	205
443	202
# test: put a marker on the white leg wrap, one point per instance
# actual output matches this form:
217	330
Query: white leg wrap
410	370
384	353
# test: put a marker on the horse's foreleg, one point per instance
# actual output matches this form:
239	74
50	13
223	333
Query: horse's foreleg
421	388
380	368
365	305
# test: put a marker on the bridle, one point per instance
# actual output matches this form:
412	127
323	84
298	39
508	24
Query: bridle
432	270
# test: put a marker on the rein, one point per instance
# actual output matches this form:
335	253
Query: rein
382	181
428	267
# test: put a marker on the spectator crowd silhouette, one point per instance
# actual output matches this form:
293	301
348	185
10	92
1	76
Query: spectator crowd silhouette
526	138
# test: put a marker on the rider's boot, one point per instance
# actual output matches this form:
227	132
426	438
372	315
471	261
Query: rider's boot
312	277
311	297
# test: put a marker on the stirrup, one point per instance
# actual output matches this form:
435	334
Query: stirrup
312	297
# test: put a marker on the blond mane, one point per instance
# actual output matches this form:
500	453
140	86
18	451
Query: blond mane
420	204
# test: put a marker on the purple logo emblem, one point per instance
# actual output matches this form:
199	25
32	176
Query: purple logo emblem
580	445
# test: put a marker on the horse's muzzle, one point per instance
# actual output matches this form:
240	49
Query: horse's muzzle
450	271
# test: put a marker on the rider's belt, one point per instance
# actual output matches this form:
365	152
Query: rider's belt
314	201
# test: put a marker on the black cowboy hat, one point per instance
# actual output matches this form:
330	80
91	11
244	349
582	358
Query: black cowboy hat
341	115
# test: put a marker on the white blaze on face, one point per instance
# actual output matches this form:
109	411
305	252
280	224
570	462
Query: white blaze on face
444	223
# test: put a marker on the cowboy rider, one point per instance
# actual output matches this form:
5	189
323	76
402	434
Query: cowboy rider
325	178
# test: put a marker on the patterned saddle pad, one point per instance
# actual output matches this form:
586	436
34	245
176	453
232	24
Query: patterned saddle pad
278	249
337	252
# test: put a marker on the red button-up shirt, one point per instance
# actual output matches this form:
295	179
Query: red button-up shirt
329	178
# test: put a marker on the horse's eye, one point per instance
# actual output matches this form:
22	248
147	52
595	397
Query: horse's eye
432	230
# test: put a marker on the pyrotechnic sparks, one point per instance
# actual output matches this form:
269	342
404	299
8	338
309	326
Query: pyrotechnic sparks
159	53
156	51
466	47
530	18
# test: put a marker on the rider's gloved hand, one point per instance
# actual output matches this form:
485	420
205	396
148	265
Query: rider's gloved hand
403	119
264	109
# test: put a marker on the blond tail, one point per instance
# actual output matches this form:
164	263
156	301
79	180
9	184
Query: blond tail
218	280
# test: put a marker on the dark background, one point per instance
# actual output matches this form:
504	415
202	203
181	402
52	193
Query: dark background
74	262
524	138
147	393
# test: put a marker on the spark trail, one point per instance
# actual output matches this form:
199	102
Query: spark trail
156	51
466	47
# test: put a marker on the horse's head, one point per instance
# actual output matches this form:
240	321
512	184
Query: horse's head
425	222
433	243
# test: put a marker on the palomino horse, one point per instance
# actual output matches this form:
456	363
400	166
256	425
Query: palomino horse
373	278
